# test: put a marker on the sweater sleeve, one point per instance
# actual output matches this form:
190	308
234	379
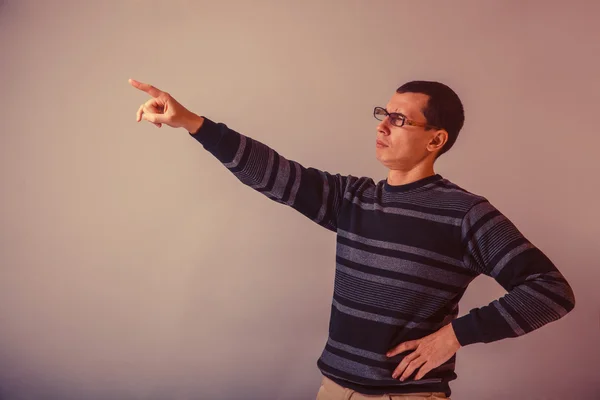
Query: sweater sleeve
537	292
316	194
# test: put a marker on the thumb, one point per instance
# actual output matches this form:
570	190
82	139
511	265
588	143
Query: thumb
402	347
155	118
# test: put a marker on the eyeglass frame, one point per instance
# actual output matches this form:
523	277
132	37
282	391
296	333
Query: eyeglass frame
405	120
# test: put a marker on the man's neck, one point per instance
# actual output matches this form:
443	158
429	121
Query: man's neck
398	177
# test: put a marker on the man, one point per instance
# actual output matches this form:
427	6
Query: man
407	247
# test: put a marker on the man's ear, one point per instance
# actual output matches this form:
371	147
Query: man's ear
438	140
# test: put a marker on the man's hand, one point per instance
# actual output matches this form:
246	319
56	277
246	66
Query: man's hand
164	109
429	352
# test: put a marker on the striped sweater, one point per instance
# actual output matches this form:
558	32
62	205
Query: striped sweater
405	256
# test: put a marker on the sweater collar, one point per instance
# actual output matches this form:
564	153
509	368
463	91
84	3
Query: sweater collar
413	185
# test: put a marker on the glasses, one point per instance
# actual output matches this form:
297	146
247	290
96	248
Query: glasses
398	119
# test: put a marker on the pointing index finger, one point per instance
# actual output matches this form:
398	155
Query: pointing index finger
145	87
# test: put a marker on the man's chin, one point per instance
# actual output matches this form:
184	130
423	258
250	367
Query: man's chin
382	161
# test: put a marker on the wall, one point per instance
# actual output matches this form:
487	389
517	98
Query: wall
134	266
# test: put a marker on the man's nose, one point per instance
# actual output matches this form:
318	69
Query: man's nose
383	128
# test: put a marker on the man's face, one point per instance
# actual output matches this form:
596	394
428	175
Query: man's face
405	146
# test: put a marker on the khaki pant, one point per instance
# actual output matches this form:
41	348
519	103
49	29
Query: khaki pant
330	390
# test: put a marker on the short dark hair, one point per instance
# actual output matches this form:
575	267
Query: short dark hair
444	108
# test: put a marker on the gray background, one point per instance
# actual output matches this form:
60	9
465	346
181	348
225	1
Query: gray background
135	266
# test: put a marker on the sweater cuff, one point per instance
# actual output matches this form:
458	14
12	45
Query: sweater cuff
209	134
465	330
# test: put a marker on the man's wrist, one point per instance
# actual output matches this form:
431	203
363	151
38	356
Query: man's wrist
453	336
193	123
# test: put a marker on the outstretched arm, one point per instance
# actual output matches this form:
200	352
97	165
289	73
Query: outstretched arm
316	194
